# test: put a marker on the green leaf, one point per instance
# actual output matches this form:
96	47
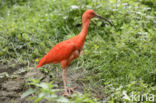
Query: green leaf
43	85
63	100
28	92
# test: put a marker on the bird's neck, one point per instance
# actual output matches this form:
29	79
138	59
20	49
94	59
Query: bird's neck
84	31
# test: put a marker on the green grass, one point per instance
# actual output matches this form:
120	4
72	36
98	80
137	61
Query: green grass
121	55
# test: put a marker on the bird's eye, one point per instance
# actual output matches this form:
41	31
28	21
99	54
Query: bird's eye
92	13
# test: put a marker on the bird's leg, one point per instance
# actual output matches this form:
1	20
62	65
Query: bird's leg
65	82
81	53
67	89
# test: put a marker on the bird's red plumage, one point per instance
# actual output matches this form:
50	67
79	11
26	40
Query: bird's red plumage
62	51
68	50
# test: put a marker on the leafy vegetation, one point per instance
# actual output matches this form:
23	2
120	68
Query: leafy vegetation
119	59
46	91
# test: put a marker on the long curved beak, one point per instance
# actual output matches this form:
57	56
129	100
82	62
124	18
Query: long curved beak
100	17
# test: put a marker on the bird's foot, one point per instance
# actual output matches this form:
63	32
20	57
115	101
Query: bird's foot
66	94
69	91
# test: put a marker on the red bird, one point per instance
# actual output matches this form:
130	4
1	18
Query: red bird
68	50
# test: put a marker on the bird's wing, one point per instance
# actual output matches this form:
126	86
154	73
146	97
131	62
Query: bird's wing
60	52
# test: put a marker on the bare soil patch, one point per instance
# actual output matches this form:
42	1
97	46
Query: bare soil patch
11	88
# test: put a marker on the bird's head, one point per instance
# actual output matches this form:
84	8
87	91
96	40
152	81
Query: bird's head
89	14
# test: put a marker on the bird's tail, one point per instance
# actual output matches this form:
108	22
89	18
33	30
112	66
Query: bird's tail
41	63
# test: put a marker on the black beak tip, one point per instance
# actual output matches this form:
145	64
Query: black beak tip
100	17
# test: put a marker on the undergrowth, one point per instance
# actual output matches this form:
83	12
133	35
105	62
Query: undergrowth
120	58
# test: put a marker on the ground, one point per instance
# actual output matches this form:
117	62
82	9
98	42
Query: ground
13	84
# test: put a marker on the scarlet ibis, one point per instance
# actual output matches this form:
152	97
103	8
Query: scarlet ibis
68	50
